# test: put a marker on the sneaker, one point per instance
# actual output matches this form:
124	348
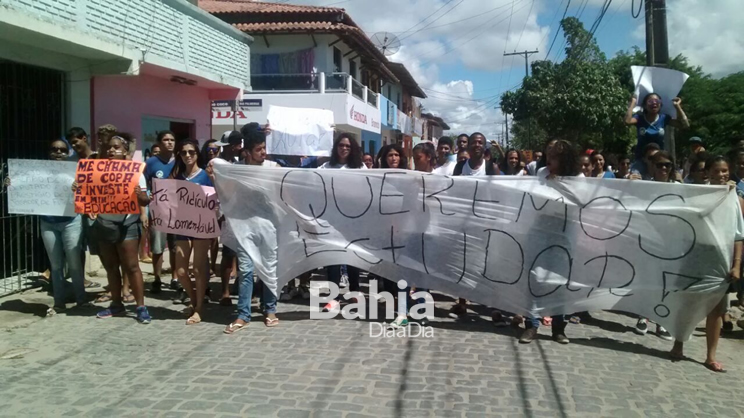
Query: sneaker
458	311
499	320
143	316
641	326
663	333
344	282
156	287
332	306
528	335
112	311
55	310
561	338
400	322
174	285
305	292
288	295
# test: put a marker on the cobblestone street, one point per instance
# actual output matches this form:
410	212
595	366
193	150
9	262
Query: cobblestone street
75	365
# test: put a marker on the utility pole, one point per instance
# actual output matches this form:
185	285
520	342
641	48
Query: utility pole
506	126
657	52
526	55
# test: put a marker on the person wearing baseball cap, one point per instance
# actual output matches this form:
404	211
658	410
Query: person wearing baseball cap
231	143
696	147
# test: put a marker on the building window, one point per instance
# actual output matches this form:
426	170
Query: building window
336	60
388	95
352	68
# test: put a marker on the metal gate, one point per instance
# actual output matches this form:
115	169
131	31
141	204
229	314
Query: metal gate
31	114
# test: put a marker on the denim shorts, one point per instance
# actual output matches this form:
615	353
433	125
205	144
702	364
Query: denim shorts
116	232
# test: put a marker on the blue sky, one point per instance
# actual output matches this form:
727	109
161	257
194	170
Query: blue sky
454	47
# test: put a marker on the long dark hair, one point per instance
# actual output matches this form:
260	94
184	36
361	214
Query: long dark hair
568	158
672	171
645	100
205	155
179	169
387	149
504	163
544	160
427	148
355	153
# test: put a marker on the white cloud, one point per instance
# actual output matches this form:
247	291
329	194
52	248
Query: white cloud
709	33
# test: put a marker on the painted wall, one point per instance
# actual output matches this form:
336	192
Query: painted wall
279	44
124	101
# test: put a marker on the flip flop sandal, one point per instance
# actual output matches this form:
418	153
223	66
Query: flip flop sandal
106	297
271	322
128	298
234	327
194	319
715	367
90	284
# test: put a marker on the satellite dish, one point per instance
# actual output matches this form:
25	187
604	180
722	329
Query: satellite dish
386	42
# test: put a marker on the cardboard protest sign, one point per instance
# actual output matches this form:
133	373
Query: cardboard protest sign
662	81
41	187
526	245
300	131
107	186
184	208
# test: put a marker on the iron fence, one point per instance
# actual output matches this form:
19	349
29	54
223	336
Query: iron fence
31	114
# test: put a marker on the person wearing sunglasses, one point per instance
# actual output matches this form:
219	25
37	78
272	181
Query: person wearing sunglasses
188	167
63	240
651	123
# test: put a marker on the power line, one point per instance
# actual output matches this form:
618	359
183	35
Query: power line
558	30
506	41
452	41
532	4
427	17
429	24
632	8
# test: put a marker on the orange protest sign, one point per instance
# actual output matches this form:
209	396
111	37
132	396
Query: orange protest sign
107	186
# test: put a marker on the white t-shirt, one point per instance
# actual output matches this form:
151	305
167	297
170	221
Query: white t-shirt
543	173
532	168
446	169
739	236
467	171
327	164
269	163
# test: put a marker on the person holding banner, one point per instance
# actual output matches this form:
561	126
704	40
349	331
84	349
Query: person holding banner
600	169
511	164
346	154
160	166
63	240
368	160
187	168
719	173
391	156
254	154
445	164
118	239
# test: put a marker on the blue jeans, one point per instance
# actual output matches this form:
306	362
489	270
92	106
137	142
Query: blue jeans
245	288
557	321
64	243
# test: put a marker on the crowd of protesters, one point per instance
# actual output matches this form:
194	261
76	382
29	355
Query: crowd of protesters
121	241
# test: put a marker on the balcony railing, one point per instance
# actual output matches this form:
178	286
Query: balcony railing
372	98
288	83
313	83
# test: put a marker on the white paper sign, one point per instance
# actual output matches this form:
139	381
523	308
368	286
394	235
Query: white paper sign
530	246
41	187
300	131
662	81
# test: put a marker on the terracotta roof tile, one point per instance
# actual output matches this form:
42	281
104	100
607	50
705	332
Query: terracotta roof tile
251	6
289	26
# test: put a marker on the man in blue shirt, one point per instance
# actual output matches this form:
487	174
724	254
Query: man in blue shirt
160	167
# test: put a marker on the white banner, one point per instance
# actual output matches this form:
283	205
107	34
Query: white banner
662	81
522	244
297	131
41	187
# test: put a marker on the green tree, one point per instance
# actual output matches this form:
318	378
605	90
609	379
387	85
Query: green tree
579	99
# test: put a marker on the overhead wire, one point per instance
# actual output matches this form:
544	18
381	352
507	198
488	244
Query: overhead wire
427	17
632	8
506	42
429	24
558	30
